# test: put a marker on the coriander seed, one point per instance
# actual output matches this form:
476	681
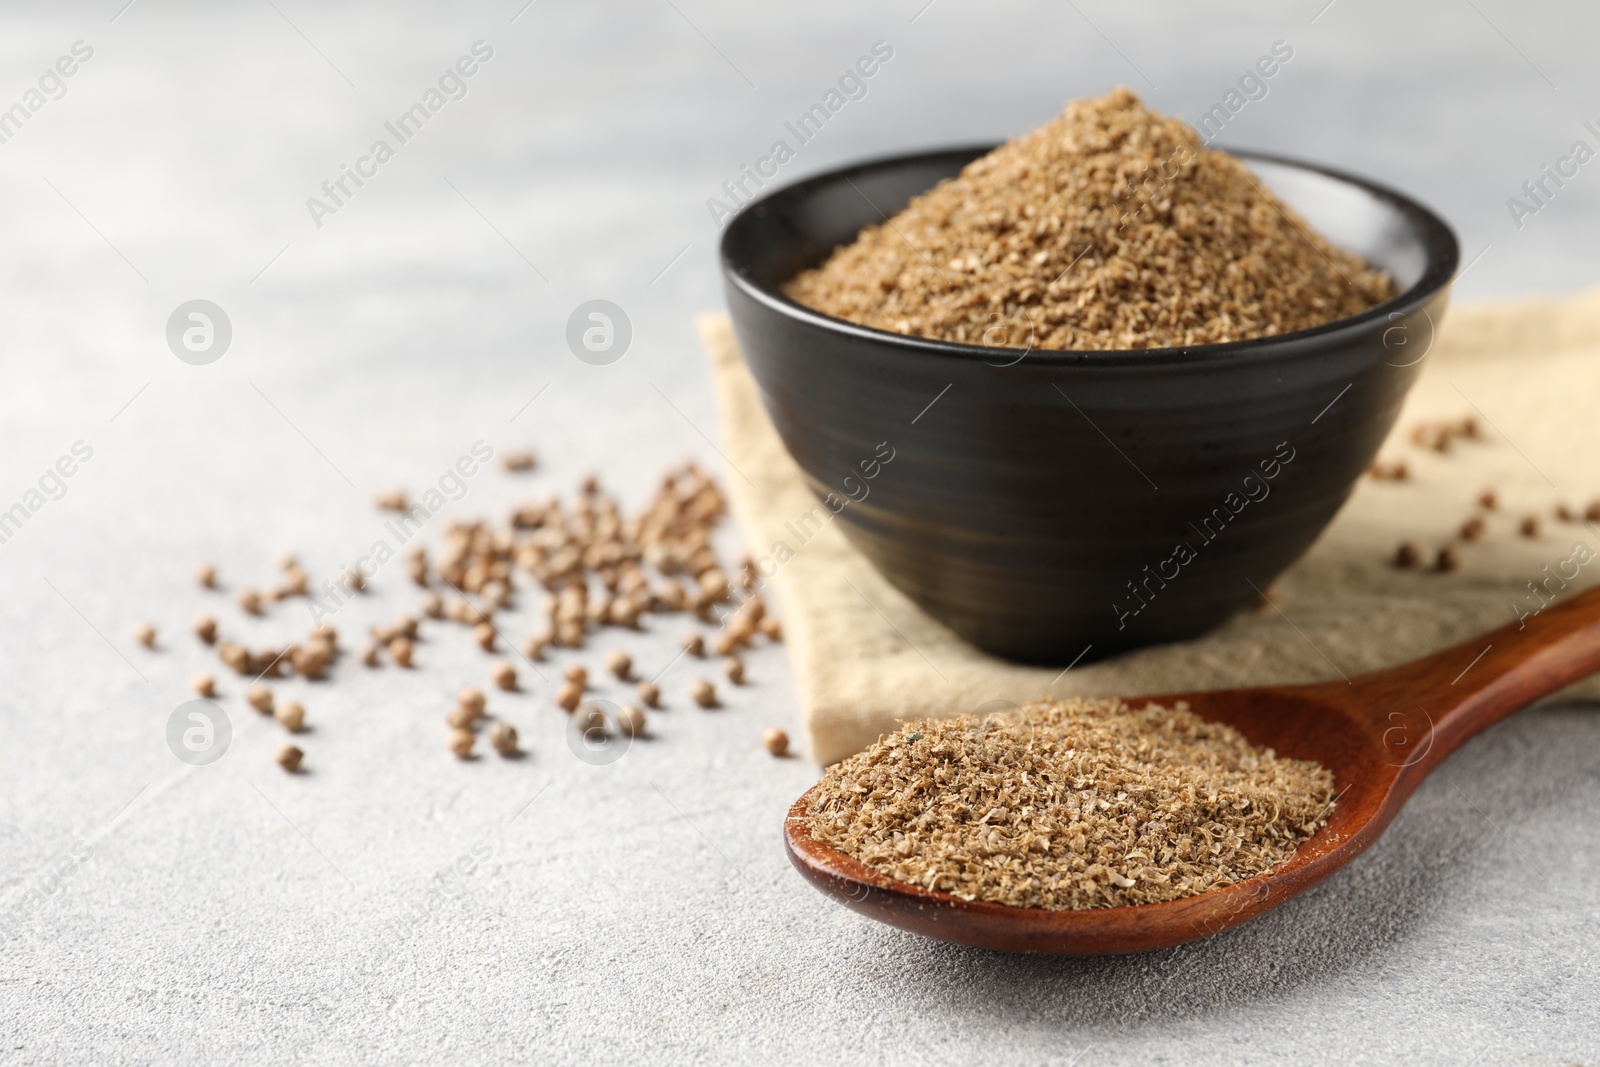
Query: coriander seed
1488	501
206	575
462	718
703	693
695	645
484	634
503	736
205	628
145	634
1407	555
649	694
400	650
772	628
577	674
204	684
1472	529
619	663
260	698
392	500
775	741
249	601
432	605
1529	526
630	720
533	647
733	667
289	757
517	462
504	675
472	699
371	656
589	719
290	716
1448	559
461	742
568	696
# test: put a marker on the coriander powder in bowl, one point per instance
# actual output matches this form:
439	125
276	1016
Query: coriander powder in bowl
1126	379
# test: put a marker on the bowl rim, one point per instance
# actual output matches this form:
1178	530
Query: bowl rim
1440	246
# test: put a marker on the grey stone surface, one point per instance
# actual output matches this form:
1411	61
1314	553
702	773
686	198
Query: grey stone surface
153	911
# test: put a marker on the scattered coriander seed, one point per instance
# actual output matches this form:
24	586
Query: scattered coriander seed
725	642
503	736
1487	500
432	605
1448	559
249	601
472	699
371	656
145	634
649	694
205	628
590	720
392	500
775	741
504	675
1529	526
355	579
310	661
290	716
462	718
1592	512
533	647
206	575
1407	555
484	634
733	667
234	655
703	693
289	757
619	663
577	674
295	582
461	742
1472	529
260	698
568	696
695	645
1564	513
630	720
518	461
400	650
204	684
772	628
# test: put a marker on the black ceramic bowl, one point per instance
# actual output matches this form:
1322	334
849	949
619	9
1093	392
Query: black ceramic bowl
1041	503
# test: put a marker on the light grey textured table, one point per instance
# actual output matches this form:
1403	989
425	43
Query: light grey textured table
156	912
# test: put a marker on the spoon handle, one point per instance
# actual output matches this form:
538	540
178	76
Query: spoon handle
1426	709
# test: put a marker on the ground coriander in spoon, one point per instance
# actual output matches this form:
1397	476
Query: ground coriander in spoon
1071	804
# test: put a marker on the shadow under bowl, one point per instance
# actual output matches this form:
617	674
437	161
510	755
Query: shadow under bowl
1050	505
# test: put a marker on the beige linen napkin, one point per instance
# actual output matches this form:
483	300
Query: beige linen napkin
864	656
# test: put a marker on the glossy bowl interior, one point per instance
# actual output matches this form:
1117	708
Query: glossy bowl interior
1048	505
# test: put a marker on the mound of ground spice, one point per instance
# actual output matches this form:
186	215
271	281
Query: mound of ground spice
1071	804
1110	227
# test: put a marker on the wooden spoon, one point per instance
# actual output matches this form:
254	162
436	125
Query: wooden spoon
1380	734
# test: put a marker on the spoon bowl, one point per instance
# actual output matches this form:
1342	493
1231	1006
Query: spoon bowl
1380	734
